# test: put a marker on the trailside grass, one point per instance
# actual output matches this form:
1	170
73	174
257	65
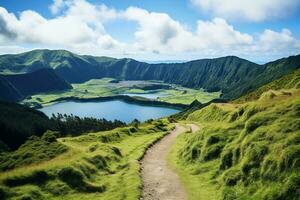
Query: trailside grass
103	165
195	178
246	151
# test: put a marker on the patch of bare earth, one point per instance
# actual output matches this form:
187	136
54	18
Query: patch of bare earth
161	182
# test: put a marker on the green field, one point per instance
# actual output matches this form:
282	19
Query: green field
106	87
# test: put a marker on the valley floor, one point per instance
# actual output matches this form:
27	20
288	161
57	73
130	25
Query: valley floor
172	94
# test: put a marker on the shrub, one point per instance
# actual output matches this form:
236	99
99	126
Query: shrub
289	190
226	160
34	150
37	177
50	136
254	154
212	140
212	151
99	161
75	180
256	122
232	176
289	158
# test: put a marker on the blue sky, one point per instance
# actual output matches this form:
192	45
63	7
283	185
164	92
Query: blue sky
153	30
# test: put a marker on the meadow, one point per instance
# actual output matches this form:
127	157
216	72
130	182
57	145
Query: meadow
110	87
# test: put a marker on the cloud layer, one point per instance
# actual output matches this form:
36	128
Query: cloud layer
250	10
79	26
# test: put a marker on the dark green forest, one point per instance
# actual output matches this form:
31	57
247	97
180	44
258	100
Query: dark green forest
18	123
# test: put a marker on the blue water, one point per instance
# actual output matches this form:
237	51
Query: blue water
109	110
146	95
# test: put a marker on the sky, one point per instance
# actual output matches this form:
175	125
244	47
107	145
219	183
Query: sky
154	30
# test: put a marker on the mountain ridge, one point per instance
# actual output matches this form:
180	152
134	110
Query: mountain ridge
232	75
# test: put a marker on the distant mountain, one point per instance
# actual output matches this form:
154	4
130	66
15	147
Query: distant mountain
8	91
231	75
16	86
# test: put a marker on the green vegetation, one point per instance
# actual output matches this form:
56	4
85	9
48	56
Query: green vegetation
243	151
231	75
18	123
34	150
108	87
18	86
289	81
70	125
246	149
187	96
97	165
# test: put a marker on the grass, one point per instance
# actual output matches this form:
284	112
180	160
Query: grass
196	178
34	150
105	87
103	165
246	151
289	81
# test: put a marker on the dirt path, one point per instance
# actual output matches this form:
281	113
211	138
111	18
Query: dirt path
160	182
194	127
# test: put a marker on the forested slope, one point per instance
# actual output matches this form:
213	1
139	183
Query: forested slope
231	75
14	87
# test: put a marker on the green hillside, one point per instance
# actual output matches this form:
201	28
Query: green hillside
8	91
101	165
289	81
243	151
18	122
231	75
16	86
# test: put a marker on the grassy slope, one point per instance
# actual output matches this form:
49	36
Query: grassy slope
98	165
289	81
243	151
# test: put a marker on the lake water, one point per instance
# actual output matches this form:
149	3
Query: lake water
146	95
110	110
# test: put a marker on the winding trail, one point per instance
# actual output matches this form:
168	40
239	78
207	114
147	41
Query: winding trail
160	182
194	127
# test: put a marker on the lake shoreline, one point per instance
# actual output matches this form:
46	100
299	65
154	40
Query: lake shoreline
127	99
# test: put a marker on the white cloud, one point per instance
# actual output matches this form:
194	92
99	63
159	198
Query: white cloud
281	40
258	10
80	27
12	49
56	6
219	34
159	32
156	31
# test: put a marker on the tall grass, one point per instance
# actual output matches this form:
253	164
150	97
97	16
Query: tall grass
103	165
244	151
